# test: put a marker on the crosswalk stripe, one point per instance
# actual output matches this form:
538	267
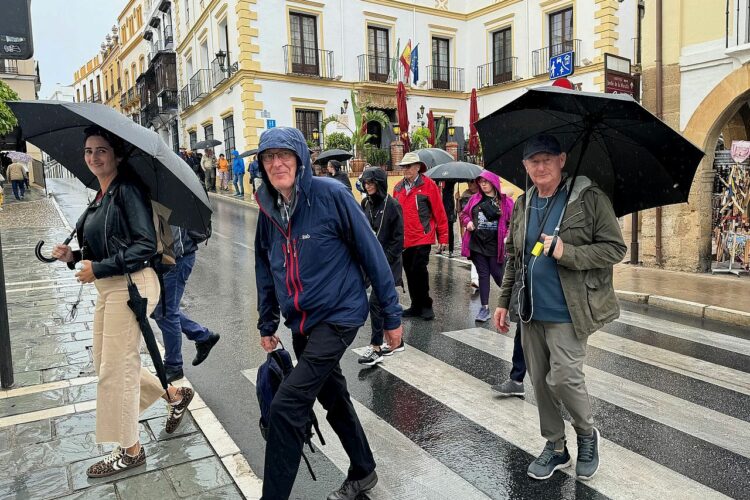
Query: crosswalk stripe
693	334
622	473
709	425
722	376
405	470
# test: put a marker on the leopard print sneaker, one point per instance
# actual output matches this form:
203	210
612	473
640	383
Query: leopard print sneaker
176	412
116	462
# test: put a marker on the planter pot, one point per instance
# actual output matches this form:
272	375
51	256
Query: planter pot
357	165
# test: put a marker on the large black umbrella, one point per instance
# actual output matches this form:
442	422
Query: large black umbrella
139	307
638	160
433	157
56	127
249	152
454	171
208	143
332	154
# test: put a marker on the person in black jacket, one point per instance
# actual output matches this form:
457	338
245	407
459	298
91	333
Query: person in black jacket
449	203
386	220
334	170
116	236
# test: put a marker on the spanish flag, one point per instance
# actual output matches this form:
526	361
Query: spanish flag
406	59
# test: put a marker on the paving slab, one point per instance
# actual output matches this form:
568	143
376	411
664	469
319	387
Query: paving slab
199	476
103	492
150	485
47	483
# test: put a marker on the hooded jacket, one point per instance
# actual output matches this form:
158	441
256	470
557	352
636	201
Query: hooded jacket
310	269
340	176
383	212
424	214
506	209
238	165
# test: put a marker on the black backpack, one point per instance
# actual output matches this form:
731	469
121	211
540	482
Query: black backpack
277	367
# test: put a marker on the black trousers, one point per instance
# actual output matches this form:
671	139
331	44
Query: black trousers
317	375
451	236
518	372
418	281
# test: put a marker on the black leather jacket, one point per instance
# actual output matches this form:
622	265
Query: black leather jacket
120	220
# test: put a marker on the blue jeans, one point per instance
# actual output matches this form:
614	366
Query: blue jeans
174	323
238	180
18	189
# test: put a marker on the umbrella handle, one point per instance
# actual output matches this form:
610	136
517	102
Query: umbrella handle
49	260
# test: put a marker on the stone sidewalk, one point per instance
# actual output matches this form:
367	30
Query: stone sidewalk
47	419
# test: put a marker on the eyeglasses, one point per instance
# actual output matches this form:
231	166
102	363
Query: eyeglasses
282	155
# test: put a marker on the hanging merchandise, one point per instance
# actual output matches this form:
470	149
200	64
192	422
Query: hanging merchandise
732	209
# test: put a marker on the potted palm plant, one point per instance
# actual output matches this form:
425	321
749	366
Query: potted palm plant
362	116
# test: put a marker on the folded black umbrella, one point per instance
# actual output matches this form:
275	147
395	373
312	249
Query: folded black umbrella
638	160
56	127
208	143
247	153
139	307
454	171
332	154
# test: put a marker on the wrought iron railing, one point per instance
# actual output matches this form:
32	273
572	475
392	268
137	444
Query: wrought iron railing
377	68
445	78
185	97
168	101
96	97
540	58
219	72
496	72
200	85
168	37
124	100
9	66
308	61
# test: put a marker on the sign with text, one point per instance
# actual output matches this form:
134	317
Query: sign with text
561	65
617	76
270	123
16	41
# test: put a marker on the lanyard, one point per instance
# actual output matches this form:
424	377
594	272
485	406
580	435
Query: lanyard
547	211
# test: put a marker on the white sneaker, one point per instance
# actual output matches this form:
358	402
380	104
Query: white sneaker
370	357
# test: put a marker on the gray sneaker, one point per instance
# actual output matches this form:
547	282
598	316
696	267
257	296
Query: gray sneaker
509	388
549	461
483	315
588	456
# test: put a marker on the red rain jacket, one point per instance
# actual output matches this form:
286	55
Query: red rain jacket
424	213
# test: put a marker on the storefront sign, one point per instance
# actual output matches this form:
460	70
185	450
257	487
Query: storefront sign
618	83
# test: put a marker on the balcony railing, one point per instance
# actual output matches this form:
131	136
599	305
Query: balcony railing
445	78
200	85
219	73
132	95
95	97
165	104
168	37
308	61
540	58
185	97
9	66
376	68
124	100
496	72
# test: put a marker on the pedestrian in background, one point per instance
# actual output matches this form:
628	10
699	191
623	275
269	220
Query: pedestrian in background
208	165
223	167
383	213
334	170
324	303
254	173
116	235
449	204
424	219
470	191
565	294
238	170
486	217
17	179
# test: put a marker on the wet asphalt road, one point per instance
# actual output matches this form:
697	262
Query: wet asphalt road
659	374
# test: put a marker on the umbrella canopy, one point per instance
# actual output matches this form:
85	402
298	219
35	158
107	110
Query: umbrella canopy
209	143
431	128
473	118
432	157
403	115
56	127
19	156
138	305
332	154
638	160
249	152
454	171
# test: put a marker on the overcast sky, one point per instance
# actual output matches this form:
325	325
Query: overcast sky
67	33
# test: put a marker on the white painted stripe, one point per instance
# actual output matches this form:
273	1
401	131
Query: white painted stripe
404	469
709	425
33	289
220	235
698	369
56	280
699	335
622	473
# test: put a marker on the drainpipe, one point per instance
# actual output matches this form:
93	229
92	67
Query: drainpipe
659	113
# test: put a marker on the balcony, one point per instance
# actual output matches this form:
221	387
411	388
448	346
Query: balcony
9	66
497	72
185	97
132	96
124	100
308	62
377	69
168	37
445	78
200	85
540	58
97	97
160	109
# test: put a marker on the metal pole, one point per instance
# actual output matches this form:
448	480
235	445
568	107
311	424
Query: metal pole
6	358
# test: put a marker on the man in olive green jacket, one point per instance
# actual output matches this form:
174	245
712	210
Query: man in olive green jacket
562	287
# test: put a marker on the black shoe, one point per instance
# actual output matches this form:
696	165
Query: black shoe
202	349
412	312
173	373
428	314
352	489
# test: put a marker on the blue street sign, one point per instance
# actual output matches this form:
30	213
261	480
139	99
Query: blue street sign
270	123
561	65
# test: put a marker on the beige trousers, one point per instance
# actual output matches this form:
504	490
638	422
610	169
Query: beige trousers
125	388
554	357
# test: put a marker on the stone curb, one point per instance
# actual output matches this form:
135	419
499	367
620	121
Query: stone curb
232	199
59	211
716	313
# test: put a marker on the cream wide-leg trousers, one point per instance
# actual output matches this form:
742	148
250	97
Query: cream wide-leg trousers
125	388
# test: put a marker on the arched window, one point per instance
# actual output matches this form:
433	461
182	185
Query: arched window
127	77
142	64
133	73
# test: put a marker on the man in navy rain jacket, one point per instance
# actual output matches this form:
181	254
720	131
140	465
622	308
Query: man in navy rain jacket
311	244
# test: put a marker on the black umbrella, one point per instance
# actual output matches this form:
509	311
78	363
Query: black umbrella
208	143
139	307
454	171
433	157
638	160
250	152
332	154
56	127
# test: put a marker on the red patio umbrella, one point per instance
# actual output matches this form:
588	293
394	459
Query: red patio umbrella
473	117
431	128
403	115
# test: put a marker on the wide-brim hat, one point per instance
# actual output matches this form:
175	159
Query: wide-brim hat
410	158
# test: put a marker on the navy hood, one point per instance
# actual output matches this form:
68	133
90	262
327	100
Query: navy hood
286	138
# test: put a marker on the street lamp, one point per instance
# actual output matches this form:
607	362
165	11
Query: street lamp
420	114
346	106
315	135
397	130
222	57
451	130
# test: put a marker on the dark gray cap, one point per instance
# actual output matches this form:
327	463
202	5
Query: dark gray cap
541	144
